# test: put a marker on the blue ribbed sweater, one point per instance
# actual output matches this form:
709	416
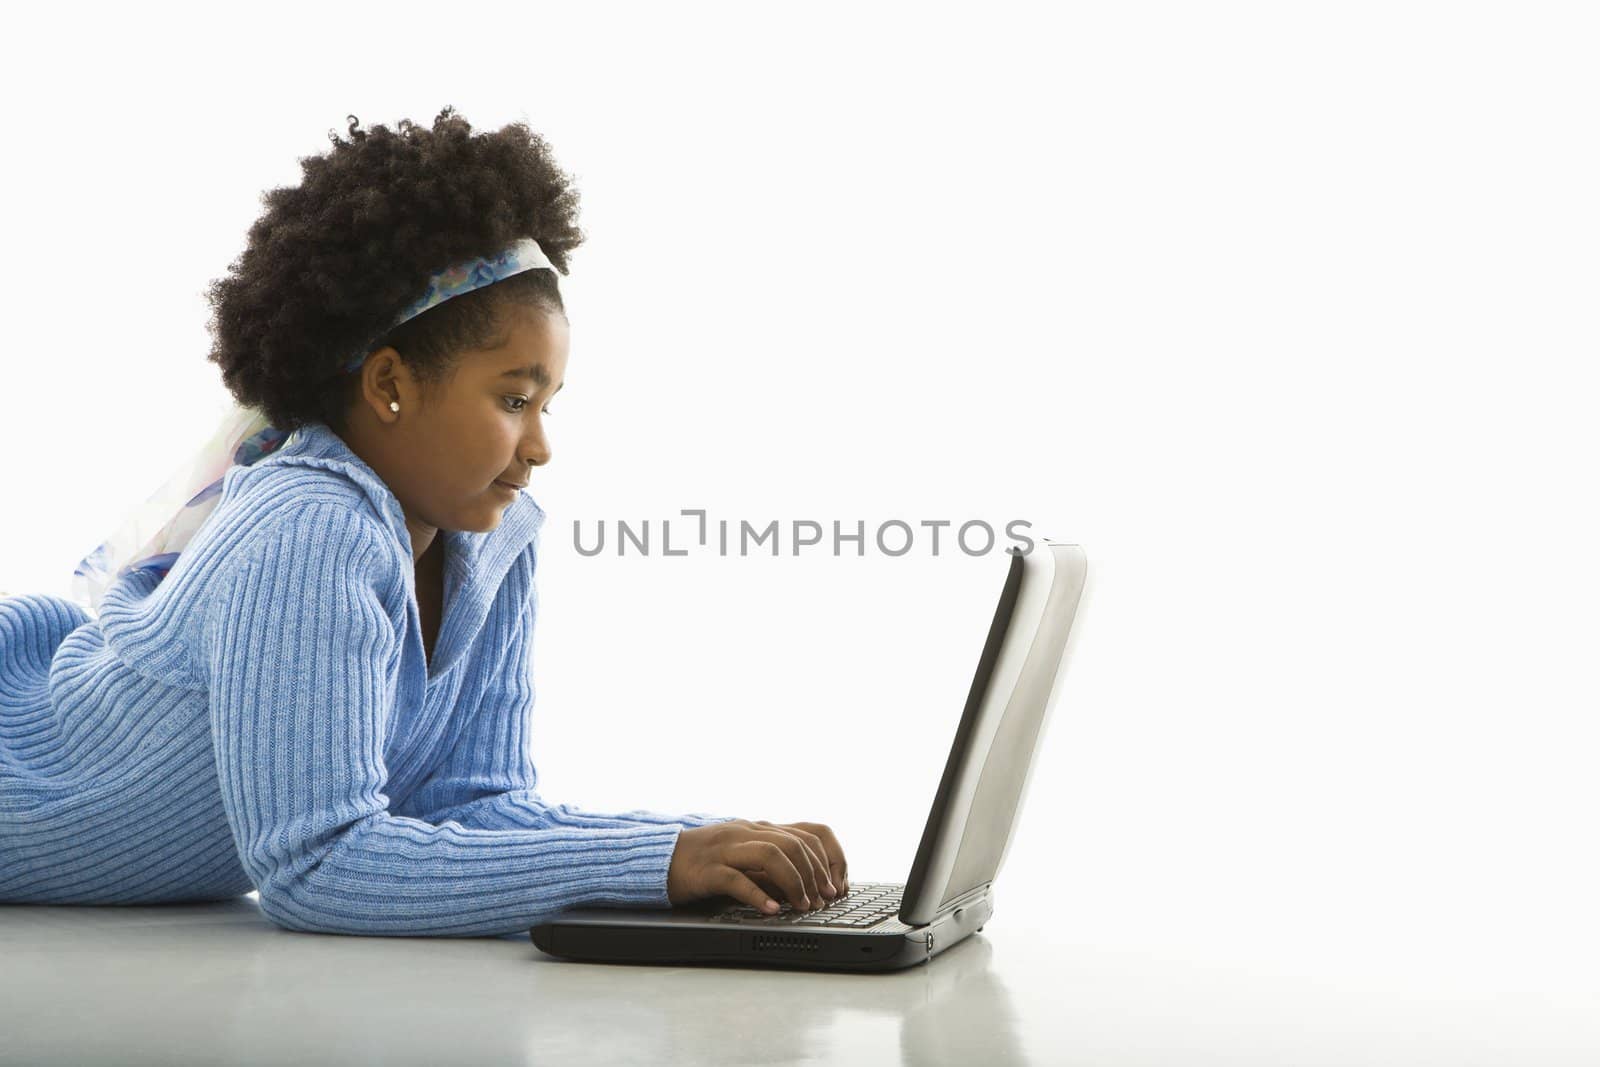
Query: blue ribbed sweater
265	717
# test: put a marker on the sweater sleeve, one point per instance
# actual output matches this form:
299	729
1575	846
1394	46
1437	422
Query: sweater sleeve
488	780
302	650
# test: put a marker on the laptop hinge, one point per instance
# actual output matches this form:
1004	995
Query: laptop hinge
966	898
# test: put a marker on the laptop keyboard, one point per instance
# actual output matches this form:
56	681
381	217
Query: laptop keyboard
867	904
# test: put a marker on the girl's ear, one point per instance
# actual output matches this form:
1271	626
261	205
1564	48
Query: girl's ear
387	384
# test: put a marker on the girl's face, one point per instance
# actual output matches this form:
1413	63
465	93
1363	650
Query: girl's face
448	455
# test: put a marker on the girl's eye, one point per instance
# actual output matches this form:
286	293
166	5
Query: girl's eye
522	403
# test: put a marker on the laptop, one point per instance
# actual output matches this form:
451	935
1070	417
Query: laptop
888	926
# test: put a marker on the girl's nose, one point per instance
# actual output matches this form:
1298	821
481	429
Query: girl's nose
536	450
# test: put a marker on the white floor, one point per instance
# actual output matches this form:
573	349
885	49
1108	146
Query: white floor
218	984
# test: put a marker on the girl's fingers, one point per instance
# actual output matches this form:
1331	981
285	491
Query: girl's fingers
739	887
838	869
812	872
766	883
807	833
767	858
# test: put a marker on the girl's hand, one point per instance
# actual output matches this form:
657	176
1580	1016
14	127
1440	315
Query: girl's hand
801	862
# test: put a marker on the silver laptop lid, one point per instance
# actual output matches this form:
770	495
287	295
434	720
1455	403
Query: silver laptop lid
986	776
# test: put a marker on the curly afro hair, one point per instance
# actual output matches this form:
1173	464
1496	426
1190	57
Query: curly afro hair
333	261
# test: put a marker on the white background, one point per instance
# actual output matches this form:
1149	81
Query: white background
1285	312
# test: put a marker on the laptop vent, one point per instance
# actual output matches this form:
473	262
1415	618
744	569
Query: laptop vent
785	943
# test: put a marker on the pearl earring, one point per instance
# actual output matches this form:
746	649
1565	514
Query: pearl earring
394	405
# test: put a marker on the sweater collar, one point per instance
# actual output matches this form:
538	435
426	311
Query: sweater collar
475	563
315	444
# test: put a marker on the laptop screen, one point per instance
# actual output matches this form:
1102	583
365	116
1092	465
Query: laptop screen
985	778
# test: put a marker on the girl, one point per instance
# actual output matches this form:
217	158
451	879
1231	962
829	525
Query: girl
324	696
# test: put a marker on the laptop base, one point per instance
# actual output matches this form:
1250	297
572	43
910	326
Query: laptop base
687	936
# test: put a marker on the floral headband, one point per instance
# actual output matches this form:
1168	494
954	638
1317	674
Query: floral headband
465	277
